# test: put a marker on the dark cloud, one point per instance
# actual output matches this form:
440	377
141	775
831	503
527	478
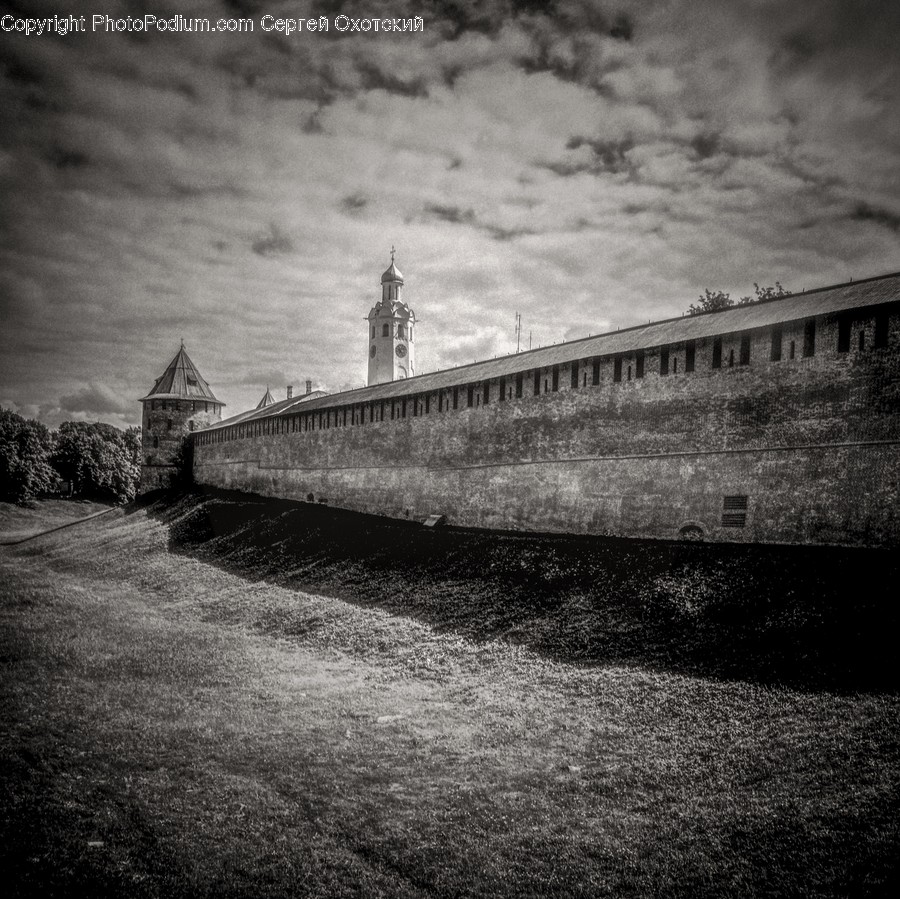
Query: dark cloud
866	213
606	157
353	203
274	243
96	399
453	214
706	145
375	78
62	158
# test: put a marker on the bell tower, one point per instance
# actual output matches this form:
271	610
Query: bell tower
391	324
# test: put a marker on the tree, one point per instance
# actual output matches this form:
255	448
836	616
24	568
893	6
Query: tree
713	301
25	449
99	460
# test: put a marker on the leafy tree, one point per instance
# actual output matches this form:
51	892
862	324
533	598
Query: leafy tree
99	460
25	449
713	301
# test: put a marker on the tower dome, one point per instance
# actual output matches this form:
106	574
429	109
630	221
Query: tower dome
393	273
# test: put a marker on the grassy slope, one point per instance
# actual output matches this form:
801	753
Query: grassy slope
19	522
225	735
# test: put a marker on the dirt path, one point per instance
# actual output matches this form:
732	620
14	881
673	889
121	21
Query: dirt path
171	729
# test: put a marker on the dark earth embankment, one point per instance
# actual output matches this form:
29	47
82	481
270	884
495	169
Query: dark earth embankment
809	617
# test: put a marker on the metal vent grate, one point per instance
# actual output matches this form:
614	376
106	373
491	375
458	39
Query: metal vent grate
738	502
734	511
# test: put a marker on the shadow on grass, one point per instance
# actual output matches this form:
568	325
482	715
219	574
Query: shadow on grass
809	617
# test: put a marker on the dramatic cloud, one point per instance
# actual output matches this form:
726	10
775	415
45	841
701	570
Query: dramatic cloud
585	163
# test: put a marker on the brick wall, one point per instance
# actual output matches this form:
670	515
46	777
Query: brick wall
811	442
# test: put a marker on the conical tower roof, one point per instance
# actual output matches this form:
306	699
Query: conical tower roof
267	400
181	380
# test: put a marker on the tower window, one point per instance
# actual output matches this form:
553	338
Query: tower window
401	332
385	330
573	375
537	382
731	358
156	442
519	380
455	397
617	369
674	365
502	389
555	378
809	338
372	350
639	364
745	349
664	360
470	395
629	372
690	356
717	353
792	350
373	332
427	403
862	341
487	392
595	374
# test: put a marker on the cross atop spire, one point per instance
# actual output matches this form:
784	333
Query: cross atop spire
392	252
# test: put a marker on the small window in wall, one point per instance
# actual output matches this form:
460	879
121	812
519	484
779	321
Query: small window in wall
573	374
862	341
690	356
674	365
415	405
427	403
487	392
440	401
617	369
152	405
519	380
455	397
775	348
403	408
639	364
792	350
731	358
401	332
169	425
809	338
629	372
537	382
845	324
717	352
373	332
372	350
502	389
470	395
595	374
734	510
385	330
554	375
156	443
881	330
744	358
664	360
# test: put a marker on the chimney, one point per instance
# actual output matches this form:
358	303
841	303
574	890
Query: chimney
308	386
290	391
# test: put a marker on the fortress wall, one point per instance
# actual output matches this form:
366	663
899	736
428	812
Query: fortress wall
639	458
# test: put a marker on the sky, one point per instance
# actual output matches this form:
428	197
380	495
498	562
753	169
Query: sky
588	164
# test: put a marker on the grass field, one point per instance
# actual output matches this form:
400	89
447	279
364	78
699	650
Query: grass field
484	715
20	522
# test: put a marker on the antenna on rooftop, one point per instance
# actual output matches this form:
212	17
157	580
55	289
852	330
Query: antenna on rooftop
518	329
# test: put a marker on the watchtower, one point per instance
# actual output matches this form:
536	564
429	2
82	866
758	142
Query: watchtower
391	323
179	403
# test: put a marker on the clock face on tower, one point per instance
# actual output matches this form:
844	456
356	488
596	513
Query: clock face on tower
400	351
